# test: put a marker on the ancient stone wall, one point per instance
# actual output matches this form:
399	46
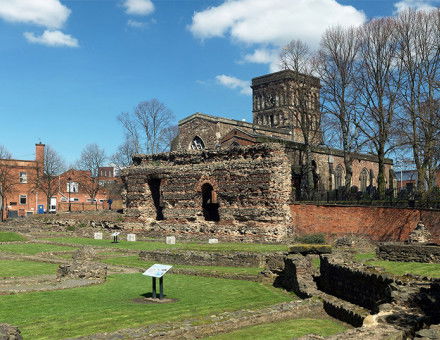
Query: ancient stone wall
380	224
409	252
205	258
239	194
366	289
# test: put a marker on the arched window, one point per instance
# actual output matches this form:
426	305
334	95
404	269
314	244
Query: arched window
197	143
339	176
363	179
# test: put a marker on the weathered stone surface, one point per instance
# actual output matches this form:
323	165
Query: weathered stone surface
8	332
84	254
354	283
204	258
83	266
420	234
431	333
236	194
413	252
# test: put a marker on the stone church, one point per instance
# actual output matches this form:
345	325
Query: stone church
237	180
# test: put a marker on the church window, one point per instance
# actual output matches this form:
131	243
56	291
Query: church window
197	143
363	179
339	176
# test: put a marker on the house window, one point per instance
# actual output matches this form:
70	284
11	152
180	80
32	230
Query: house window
72	187
74	199
23	199
23	177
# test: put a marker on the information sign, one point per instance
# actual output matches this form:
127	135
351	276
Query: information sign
157	270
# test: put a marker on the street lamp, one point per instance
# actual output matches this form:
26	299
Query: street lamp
68	187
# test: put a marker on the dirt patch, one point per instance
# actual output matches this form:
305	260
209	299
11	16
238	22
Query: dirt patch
149	300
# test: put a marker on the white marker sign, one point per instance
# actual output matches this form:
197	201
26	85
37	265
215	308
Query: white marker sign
115	234
157	270
97	236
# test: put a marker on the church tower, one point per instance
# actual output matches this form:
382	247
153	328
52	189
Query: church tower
284	100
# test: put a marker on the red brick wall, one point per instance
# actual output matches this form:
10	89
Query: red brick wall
381	224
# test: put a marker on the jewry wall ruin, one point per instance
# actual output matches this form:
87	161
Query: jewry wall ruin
240	194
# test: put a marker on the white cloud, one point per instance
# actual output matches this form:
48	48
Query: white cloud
234	83
273	22
135	23
138	7
415	4
52	38
264	56
47	13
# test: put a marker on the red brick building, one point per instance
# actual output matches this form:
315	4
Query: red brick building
75	186
23	199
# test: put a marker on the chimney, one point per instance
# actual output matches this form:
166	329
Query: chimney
39	153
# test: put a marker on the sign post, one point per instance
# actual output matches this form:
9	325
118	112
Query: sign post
115	237
157	271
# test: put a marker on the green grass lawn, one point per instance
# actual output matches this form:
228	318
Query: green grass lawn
8	236
108	307
25	268
284	330
134	261
400	268
31	248
139	245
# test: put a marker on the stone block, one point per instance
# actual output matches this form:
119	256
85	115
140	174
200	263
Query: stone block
131	237
170	240
97	236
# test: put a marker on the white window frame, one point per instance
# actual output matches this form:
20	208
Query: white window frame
23	177
72	187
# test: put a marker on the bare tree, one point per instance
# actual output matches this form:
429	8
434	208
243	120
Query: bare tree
92	158
336	65
147	127
419	48
122	158
169	135
304	107
379	83
46	179
7	180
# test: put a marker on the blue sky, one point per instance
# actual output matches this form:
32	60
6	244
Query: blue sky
69	67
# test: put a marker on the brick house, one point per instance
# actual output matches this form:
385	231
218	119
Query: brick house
73	187
23	199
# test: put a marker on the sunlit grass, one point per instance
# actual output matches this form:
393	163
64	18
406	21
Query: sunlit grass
141	245
400	268
8	236
10	268
284	330
31	248
134	261
108	307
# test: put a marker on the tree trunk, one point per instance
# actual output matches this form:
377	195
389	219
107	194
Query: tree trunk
381	184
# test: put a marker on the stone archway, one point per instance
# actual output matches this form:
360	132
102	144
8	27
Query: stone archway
210	204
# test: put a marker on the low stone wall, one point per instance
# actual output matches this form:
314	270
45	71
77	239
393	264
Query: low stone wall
355	285
408	252
204	258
